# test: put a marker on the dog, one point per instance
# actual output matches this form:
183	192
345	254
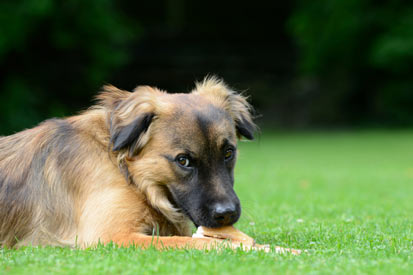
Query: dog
135	165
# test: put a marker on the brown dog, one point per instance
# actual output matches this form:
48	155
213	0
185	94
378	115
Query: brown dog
134	165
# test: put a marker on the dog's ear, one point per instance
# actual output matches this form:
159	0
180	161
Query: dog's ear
130	121
235	104
125	136
110	97
245	128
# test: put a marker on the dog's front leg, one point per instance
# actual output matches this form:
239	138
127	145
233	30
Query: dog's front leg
178	242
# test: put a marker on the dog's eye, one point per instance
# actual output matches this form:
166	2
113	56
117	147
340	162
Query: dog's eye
183	161
229	154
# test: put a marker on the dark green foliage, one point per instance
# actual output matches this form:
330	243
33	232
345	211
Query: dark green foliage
358	55
305	63
51	52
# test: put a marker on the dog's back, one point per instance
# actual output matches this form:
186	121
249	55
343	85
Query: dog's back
39	169
31	205
49	174
13	188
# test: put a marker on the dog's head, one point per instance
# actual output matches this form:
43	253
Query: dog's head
180	149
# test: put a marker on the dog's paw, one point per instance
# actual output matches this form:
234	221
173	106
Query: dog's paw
224	233
239	240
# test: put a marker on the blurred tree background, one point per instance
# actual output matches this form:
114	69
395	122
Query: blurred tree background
319	63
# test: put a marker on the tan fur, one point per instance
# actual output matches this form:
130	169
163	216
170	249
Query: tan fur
62	184
218	92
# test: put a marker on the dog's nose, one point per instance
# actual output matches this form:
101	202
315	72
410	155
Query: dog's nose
225	213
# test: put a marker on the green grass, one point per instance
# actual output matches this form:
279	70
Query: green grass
345	197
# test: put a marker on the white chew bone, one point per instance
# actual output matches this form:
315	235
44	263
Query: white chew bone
237	238
199	233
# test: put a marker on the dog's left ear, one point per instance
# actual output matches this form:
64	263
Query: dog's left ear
235	104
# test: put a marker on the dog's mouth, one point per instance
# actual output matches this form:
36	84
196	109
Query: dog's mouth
176	205
171	199
202	216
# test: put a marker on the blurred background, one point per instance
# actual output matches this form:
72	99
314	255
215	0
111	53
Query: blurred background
306	64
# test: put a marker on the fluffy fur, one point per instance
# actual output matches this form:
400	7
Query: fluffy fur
103	175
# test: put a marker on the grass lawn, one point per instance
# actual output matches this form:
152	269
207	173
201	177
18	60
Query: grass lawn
345	197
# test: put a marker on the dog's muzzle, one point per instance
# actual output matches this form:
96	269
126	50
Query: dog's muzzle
225	213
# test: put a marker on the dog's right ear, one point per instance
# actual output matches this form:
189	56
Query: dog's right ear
110	97
127	135
131	118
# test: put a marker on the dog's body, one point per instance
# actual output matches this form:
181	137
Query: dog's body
134	165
